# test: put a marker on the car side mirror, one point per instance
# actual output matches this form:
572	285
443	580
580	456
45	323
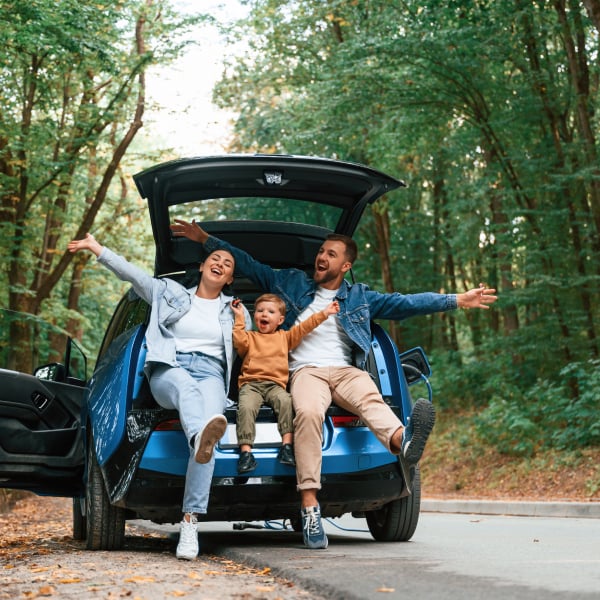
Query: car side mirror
415	365
51	372
74	371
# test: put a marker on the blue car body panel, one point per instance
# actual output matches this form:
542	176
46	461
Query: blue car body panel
111	389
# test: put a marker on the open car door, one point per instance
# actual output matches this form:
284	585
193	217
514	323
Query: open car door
41	433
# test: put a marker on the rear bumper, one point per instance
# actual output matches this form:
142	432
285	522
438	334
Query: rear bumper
159	497
147	474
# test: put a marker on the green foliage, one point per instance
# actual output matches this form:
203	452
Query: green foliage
72	90
488	110
546	415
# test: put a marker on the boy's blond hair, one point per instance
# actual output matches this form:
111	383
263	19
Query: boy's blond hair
277	300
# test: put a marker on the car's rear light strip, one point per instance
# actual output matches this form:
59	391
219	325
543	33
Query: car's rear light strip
346	421
170	425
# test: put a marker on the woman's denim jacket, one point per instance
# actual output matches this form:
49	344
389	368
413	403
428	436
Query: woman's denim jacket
358	304
169	301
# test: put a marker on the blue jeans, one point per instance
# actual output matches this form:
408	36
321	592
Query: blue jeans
196	389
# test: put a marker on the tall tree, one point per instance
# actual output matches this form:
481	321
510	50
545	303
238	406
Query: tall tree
73	97
488	110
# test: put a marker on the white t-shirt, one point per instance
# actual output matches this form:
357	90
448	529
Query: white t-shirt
327	345
199	330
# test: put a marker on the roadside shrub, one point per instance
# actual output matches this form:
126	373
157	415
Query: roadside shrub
462	381
560	415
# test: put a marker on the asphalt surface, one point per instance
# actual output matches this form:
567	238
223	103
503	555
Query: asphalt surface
451	559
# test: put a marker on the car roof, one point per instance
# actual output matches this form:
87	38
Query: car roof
279	208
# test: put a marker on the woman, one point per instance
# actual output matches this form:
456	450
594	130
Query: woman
188	363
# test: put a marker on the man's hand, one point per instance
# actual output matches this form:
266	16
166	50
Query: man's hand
480	297
192	231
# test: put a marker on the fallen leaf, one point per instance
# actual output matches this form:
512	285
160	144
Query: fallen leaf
140	579
194	575
386	590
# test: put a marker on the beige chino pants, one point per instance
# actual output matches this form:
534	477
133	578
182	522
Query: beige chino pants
313	389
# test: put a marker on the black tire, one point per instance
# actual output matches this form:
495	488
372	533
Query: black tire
79	520
397	520
105	522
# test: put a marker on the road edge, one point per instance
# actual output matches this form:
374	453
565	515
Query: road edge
579	510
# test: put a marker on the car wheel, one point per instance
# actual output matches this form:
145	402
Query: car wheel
79	520
397	520
105	522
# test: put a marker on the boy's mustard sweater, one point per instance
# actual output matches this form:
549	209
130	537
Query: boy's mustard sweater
265	355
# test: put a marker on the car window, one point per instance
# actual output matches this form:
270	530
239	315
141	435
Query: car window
47	341
131	311
259	209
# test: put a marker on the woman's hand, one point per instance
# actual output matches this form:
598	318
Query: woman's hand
87	243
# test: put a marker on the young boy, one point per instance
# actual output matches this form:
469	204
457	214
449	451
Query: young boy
264	373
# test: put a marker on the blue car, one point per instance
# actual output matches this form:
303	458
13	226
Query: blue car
107	444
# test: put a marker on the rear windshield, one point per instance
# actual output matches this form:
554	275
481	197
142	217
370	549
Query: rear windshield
257	209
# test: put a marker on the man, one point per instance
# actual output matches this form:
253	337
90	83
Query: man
322	366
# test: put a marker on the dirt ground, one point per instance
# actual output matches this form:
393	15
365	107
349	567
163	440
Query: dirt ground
40	559
449	472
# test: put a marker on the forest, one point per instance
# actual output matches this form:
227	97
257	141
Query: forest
487	110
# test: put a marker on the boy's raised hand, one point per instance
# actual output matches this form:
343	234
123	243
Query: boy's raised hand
237	307
332	308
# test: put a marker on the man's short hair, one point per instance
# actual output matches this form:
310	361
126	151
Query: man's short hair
351	247
277	300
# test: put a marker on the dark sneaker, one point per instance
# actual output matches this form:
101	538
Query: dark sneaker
206	440
246	462
418	430
312	528
286	455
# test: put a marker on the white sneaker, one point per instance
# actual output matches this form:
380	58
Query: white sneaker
188	546
205	440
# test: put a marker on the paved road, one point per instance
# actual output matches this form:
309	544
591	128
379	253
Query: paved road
451	556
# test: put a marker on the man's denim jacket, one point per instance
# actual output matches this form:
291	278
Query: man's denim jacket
169	301
358	304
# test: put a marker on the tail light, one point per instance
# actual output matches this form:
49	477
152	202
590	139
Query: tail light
170	425
346	421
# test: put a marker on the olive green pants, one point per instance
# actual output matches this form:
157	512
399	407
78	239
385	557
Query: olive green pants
251	397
